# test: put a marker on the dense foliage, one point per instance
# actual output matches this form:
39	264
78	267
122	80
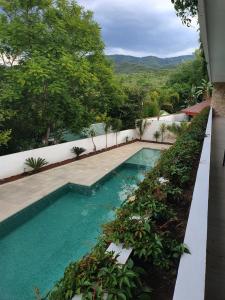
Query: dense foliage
151	221
131	64
54	73
149	93
186	10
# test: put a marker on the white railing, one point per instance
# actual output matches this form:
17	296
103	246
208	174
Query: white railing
190	284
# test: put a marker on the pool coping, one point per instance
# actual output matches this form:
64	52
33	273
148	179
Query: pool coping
18	208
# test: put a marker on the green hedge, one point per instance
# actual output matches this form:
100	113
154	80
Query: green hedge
156	237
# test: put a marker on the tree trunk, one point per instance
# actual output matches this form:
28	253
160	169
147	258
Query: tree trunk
93	144
46	138
106	140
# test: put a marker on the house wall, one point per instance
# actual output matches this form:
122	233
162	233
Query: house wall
218	99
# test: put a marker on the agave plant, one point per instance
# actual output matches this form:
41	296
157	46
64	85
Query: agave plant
78	151
36	163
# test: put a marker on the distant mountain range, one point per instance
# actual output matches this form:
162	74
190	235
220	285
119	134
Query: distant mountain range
132	64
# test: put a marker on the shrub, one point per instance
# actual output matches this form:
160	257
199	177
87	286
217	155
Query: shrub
35	163
178	129
94	275
78	151
148	221
156	135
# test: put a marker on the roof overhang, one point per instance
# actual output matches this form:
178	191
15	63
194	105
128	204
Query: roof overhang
212	31
197	108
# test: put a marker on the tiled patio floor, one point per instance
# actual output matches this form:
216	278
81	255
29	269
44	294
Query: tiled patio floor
18	194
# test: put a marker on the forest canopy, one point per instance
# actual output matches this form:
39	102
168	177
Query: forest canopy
54	74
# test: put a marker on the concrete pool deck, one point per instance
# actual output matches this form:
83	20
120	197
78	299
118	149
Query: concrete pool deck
19	194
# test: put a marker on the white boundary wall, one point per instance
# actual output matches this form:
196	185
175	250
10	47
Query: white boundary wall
153	126
190	284
180	117
13	164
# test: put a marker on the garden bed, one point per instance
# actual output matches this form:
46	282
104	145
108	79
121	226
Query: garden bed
64	162
162	201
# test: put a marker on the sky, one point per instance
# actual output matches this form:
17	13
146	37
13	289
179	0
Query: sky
142	27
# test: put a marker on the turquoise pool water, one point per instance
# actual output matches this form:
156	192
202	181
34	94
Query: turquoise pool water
39	242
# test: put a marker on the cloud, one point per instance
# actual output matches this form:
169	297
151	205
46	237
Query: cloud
142	27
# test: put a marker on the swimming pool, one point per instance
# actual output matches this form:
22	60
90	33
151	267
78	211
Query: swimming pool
38	243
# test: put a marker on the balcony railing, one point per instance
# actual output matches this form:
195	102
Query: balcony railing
190	282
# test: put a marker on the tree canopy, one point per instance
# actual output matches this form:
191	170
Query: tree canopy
186	9
55	73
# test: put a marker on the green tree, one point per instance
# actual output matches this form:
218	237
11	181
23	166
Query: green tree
107	127
163	129
57	76
184	78
205	89
141	126
186	10
116	126
92	134
150	109
130	108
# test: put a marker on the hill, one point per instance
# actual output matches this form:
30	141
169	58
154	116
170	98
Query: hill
132	64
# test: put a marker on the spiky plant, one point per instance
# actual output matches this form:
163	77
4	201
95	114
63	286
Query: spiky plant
78	151
35	163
